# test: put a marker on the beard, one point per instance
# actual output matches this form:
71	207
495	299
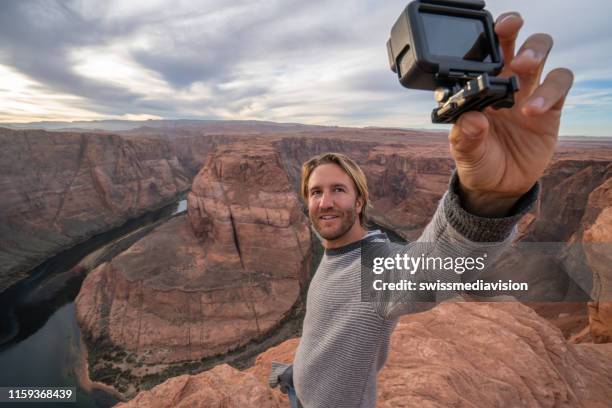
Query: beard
338	227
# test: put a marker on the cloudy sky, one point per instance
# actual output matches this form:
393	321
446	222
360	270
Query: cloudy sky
315	62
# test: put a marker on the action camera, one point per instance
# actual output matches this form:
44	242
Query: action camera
450	47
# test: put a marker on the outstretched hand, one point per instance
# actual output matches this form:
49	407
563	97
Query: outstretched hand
500	154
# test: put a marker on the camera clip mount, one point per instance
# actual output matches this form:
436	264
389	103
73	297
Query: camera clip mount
473	93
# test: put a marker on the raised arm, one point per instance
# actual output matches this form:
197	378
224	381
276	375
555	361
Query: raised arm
499	156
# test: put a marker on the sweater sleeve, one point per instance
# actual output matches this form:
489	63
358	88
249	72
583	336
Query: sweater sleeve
452	233
481	229
277	370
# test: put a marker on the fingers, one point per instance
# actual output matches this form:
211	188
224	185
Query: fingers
467	135
529	62
551	94
507	28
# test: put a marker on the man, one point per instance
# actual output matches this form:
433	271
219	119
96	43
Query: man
499	157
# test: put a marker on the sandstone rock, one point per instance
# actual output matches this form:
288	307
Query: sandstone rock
221	387
564	211
457	354
208	282
284	353
60	188
566	186
148	299
406	188
243	204
493	355
598	248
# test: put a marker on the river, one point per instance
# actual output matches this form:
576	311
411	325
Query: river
40	341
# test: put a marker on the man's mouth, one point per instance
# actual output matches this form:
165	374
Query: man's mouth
328	217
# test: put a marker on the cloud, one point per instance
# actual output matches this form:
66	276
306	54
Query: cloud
314	62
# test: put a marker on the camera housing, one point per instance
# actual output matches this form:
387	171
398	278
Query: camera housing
450	46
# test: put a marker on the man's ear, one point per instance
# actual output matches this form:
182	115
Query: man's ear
359	204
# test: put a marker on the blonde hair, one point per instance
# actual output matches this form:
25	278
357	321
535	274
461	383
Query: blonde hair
350	168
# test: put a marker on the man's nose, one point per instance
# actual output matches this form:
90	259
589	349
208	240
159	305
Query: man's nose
326	201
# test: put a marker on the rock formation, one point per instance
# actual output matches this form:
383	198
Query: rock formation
205	283
406	188
598	249
221	387
493	355
572	198
457	354
61	188
230	271
566	186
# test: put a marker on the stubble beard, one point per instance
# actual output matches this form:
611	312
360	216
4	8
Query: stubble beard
347	219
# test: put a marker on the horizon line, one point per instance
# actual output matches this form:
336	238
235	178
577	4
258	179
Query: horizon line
23	125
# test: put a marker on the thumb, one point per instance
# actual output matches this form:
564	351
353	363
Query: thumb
467	137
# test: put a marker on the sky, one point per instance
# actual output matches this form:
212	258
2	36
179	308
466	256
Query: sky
311	62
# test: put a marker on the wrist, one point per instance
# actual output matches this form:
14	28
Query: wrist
486	204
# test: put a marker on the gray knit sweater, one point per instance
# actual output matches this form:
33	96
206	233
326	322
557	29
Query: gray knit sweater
345	339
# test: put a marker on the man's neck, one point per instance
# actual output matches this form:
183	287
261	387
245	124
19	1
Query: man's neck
356	233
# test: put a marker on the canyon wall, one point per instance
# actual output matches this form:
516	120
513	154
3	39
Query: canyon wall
60	188
202	284
231	270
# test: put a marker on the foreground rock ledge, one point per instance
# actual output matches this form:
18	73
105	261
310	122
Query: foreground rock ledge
456	355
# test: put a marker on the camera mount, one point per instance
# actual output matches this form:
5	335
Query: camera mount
450	47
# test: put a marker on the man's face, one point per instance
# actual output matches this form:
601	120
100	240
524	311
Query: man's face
333	207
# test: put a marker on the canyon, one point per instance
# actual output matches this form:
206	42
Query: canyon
234	269
204	283
59	189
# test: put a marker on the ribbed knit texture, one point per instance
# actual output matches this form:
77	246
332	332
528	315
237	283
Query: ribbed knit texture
345	339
